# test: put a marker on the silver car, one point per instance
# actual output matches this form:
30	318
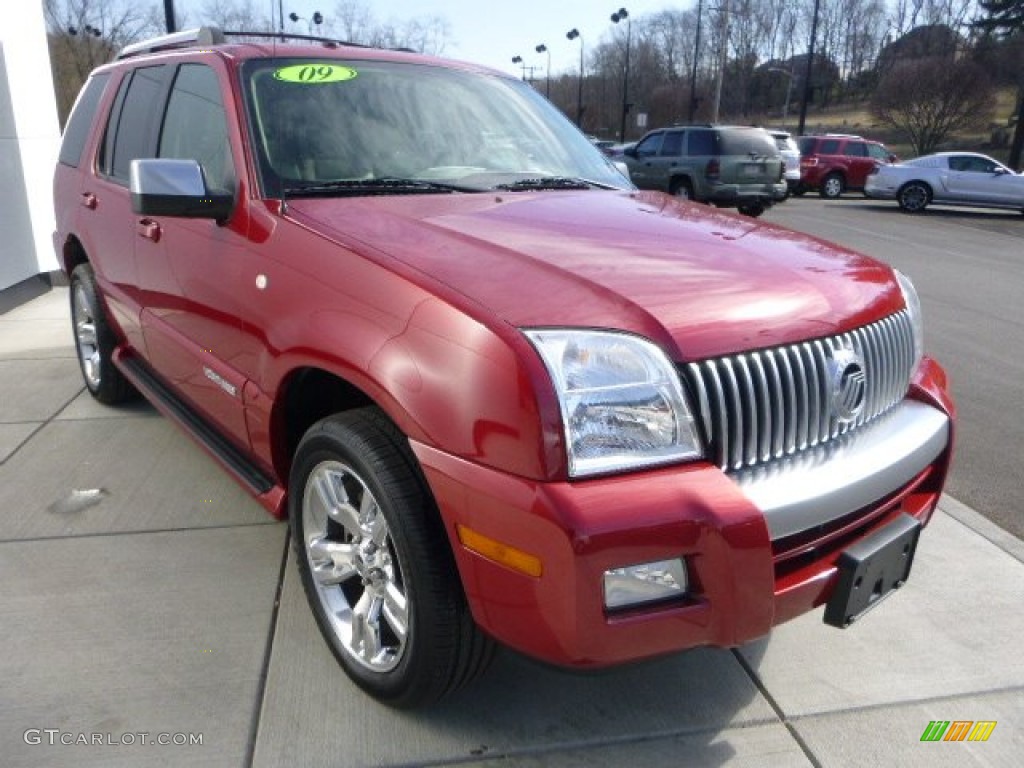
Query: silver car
790	155
948	178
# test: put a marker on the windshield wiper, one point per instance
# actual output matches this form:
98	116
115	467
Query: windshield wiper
383	186
551	182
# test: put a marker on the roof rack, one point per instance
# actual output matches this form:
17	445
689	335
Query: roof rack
207	36
197	36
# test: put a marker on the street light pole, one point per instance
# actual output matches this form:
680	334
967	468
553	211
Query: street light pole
693	72
807	72
572	34
618	16
547	82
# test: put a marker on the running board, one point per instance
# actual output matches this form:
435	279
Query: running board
252	477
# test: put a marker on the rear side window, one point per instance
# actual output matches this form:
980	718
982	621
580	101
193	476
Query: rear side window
748	142
855	149
702	143
829	147
76	132
135	123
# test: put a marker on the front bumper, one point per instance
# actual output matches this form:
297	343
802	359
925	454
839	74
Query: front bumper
757	553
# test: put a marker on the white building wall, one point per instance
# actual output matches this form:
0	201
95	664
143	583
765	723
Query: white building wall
29	142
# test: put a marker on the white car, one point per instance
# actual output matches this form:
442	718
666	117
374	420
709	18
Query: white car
948	178
791	156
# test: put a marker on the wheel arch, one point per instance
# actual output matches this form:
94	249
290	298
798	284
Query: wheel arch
72	253
909	182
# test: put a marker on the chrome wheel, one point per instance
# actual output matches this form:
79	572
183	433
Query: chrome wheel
832	187
682	190
376	562
85	336
352	561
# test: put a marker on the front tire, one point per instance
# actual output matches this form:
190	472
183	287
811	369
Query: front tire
914	196
376	564
95	341
832	187
753	210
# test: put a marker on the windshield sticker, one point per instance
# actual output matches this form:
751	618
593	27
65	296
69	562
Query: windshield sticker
308	74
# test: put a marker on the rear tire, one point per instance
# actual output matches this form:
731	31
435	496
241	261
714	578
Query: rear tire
95	341
832	186
914	196
376	563
753	210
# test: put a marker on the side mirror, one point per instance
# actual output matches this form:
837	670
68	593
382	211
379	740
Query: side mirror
893	159
631	151
175	188
1000	171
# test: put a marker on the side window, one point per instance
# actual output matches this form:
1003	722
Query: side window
957	163
648	146
76	132
878	152
673	144
130	130
195	126
701	143
829	147
855	149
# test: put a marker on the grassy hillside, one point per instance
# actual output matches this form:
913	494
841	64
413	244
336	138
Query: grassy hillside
856	118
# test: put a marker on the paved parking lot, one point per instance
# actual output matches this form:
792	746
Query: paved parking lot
144	597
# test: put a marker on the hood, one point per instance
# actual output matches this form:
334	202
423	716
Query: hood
699	281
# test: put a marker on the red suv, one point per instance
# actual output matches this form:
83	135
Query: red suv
834	163
500	394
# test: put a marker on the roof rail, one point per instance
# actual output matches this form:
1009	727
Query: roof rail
197	36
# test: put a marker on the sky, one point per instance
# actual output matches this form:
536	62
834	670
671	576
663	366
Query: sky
491	32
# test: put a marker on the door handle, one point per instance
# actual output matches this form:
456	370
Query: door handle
89	201
148	229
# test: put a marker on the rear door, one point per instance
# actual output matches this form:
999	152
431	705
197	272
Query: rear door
858	164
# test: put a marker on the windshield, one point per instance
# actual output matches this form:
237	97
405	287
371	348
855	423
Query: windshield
329	126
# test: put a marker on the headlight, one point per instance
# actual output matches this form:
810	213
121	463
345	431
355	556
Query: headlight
622	403
913	303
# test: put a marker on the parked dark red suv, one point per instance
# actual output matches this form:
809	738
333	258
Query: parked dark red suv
500	394
835	163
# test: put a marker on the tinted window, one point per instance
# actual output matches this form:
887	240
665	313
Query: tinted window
135	127
77	130
673	144
878	152
806	145
829	147
747	142
195	126
701	143
855	149
649	145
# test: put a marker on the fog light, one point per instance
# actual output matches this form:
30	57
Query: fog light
644	583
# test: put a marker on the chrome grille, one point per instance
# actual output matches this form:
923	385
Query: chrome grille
767	404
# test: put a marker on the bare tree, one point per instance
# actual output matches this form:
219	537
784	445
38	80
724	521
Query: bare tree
84	34
931	98
355	22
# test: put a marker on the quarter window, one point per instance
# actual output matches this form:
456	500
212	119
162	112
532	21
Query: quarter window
77	130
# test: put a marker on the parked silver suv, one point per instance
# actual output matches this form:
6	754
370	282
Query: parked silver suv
728	166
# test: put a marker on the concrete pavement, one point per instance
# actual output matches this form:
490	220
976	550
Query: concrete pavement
145	597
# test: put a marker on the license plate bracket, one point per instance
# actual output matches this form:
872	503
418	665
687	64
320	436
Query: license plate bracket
871	569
